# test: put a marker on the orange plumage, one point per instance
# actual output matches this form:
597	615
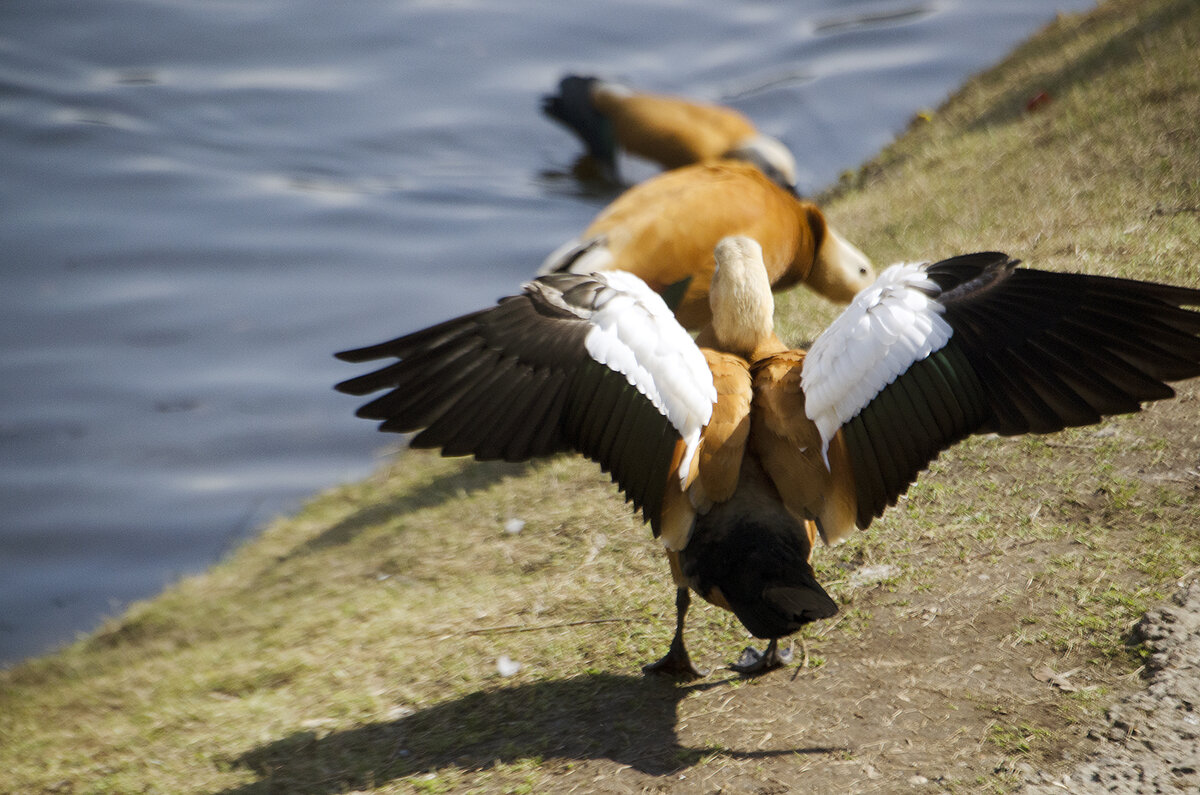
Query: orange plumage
664	231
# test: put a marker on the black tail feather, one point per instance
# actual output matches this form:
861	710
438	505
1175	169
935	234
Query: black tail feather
755	555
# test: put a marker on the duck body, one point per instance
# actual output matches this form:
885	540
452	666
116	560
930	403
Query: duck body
751	556
665	230
671	131
741	452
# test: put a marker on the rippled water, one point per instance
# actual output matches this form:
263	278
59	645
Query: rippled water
202	200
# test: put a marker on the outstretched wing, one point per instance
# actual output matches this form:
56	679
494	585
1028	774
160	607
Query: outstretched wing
932	353
592	363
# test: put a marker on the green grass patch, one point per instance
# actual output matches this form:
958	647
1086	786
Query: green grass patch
354	646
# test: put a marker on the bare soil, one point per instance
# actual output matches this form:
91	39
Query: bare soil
923	683
1150	741
1025	619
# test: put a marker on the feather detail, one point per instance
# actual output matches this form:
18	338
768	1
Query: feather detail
635	334
597	364
579	255
889	326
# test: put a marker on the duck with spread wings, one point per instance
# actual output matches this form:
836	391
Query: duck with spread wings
740	451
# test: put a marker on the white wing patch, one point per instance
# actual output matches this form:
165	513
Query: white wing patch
635	334
889	326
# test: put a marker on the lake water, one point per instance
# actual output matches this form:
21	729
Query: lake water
202	200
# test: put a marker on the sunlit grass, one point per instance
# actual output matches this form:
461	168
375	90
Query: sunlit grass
354	646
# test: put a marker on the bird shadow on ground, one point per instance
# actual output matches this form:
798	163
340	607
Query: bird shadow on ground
630	720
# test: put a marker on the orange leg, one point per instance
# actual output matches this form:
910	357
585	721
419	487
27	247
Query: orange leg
811	528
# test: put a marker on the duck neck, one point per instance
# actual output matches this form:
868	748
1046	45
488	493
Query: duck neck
743	309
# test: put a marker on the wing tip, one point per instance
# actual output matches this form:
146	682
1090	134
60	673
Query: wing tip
347	387
358	355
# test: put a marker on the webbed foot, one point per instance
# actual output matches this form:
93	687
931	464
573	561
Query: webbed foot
754	662
677	663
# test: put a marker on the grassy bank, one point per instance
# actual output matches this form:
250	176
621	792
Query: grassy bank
354	646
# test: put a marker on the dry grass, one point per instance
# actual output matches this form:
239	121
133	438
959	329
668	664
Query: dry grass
353	647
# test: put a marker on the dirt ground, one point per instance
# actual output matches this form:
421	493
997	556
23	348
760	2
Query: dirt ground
937	689
1151	739
925	682
990	636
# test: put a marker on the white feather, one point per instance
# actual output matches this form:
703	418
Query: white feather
635	334
889	326
584	256
614	90
770	155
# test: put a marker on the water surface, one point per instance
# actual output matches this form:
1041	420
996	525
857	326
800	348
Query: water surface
202	200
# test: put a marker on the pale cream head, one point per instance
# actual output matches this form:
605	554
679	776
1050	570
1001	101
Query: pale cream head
840	270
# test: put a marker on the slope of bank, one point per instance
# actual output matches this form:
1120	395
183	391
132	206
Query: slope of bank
985	620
